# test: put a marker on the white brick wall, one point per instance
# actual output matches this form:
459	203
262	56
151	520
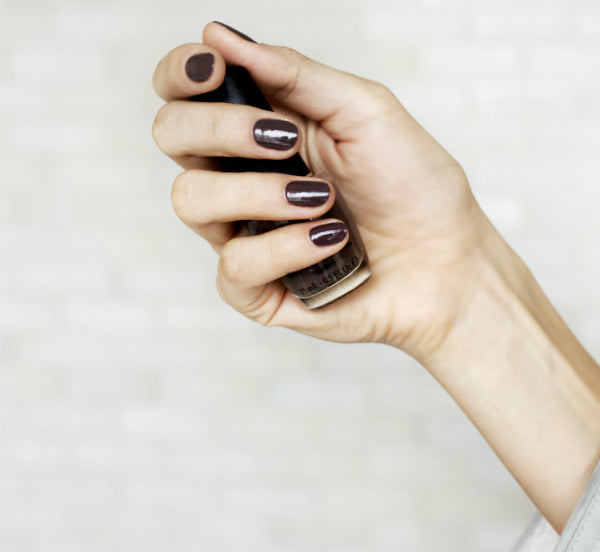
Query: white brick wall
139	413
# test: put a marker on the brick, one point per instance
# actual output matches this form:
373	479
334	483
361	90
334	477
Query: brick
388	22
567	61
521	22
113	316
110	23
465	58
586	21
57	64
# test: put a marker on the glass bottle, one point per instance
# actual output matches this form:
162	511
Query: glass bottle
324	282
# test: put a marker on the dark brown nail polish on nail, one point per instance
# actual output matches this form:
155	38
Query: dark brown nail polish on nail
342	272
242	35
328	234
307	193
200	67
275	134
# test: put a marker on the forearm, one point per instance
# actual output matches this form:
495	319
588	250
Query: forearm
524	380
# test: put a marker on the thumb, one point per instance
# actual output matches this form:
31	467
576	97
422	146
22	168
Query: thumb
338	100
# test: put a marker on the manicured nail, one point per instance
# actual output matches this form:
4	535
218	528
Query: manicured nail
328	234
200	67
242	35
307	193
275	134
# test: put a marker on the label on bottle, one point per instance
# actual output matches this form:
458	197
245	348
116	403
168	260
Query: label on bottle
318	277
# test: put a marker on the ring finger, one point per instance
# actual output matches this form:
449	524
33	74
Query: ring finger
208	201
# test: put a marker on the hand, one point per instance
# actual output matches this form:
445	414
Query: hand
421	226
446	288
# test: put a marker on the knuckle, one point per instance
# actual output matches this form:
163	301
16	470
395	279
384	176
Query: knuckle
296	57
163	121
382	101
381	91
296	67
214	121
180	193
246	193
190	198
221	290
230	262
276	248
291	55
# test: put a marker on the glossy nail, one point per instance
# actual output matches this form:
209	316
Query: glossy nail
242	35
275	134
200	67
328	234
307	193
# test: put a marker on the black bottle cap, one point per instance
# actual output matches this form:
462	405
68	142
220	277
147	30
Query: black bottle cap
239	88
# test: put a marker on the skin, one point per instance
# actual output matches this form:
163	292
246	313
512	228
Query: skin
446	288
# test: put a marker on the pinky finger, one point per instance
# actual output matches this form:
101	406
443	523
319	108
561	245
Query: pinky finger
251	262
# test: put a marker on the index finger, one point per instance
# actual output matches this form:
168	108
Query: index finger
340	101
188	70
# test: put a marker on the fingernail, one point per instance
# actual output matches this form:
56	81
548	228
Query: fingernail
242	35
328	234
275	134
200	67
307	193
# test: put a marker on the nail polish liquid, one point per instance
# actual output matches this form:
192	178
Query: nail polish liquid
321	283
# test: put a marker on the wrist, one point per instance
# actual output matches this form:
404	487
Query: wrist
506	308
524	380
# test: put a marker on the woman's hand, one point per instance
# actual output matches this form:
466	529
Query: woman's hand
445	288
420	224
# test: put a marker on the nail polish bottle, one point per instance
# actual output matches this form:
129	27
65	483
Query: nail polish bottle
321	283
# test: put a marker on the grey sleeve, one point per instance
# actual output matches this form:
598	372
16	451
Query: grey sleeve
539	536
581	534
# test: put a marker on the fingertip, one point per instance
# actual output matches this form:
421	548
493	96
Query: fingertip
188	70
259	259
235	31
309	192
200	67
236	47
276	134
210	29
328	233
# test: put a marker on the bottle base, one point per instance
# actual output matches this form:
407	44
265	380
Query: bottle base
341	288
